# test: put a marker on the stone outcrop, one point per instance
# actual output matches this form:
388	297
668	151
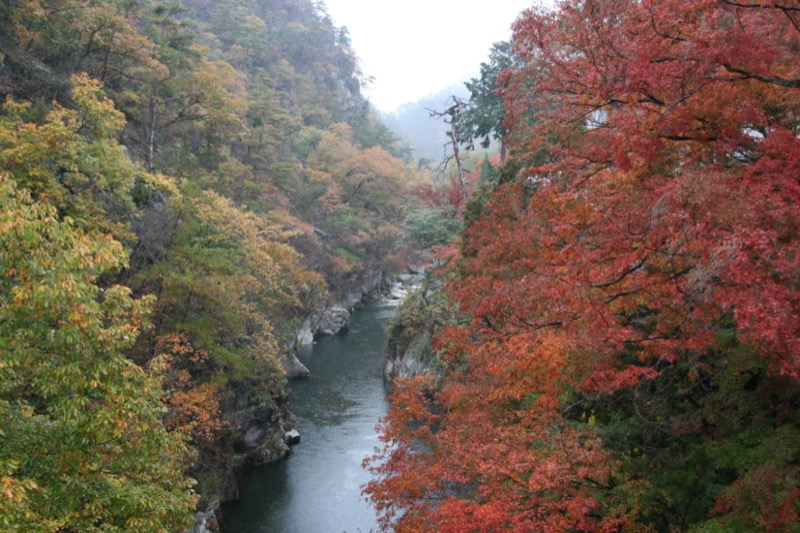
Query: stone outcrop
205	522
369	289
330	321
256	434
259	430
421	315
306	332
418	359
332	315
263	434
292	367
333	320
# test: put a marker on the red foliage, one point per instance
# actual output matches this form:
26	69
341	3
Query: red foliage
448	193
667	204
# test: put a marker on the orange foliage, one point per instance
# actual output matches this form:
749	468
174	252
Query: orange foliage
194	406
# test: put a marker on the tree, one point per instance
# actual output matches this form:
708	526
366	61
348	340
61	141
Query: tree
354	195
230	283
84	447
452	117
431	227
630	292
484	116
83	444
72	160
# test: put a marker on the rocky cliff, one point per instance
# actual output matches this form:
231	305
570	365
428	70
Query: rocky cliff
331	313
421	315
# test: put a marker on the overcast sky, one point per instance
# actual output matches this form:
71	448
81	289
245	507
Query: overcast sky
414	48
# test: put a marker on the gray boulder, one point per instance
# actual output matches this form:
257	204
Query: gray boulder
333	321
292	367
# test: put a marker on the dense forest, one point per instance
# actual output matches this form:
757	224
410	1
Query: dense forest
181	184
625	352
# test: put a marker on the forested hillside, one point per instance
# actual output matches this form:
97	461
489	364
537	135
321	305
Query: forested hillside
615	343
180	182
626	358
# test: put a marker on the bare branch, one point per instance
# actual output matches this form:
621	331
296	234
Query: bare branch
450	117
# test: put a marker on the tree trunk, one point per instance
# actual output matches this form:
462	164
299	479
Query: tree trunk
151	133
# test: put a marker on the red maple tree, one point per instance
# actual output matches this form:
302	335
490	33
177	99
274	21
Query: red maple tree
659	204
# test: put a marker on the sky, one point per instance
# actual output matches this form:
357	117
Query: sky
414	48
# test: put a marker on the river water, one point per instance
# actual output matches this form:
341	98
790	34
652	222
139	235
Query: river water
317	489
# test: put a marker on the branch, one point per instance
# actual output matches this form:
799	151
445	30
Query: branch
620	295
622	276
783	82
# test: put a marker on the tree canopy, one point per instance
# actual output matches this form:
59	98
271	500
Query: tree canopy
182	182
632	360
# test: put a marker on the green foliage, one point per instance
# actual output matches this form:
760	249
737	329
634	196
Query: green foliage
231	282
72	160
255	108
83	446
431	227
488	181
709	445
483	118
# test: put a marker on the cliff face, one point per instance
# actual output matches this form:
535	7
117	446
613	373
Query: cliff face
421	315
417	359
255	433
331	313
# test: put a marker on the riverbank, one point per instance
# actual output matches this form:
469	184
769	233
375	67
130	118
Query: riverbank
318	486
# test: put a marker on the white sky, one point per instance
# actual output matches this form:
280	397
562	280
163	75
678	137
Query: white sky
414	48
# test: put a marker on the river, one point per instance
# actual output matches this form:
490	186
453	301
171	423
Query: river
317	489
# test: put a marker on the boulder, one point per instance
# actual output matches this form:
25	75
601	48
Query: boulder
305	334
205	522
262	435
416	269
333	321
292	367
372	286
399	292
292	437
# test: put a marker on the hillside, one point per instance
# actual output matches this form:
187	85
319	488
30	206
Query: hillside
182	184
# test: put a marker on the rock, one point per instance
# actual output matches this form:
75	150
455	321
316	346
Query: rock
372	286
333	321
292	366
262	434
205	522
292	437
274	449
352	299
417	359
327	319
305	334
418	270
398	292
228	489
